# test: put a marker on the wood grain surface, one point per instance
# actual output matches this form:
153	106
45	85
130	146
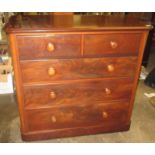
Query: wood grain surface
77	93
36	47
72	69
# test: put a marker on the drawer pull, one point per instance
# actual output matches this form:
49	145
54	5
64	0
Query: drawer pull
113	44
52	95
107	91
104	114
50	47
51	71
53	118
110	68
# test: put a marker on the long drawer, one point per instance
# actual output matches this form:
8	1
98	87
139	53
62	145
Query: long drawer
76	93
76	116
111	44
48	46
71	69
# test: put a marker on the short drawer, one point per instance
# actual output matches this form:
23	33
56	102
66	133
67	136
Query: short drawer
48	46
77	116
111	44
77	93
71	69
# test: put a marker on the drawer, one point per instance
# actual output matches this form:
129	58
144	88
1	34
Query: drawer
48	46
76	116
111	44
72	93
70	69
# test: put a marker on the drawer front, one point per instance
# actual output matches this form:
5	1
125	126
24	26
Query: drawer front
48	46
77	93
76	116
70	69
111	44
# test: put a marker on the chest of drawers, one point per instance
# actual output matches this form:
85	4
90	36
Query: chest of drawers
75	75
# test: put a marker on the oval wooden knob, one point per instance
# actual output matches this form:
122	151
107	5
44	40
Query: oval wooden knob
51	71
53	118
105	114
50	47
52	95
110	68
107	91
113	44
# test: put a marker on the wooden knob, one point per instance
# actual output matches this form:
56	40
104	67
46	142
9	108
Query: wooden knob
53	118
51	71
50	47
107	91
104	114
52	95
110	68
113	44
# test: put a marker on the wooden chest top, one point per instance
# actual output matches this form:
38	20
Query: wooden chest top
48	23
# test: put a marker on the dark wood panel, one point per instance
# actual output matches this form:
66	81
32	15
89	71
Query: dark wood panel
112	44
76	116
48	46
77	93
69	69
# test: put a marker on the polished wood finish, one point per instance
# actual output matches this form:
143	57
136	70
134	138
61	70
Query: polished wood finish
65	94
75	75
78	131
73	23
51	71
48	46
76	116
112	44
70	69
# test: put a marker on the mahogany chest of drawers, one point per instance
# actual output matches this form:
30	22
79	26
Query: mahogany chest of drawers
75	75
